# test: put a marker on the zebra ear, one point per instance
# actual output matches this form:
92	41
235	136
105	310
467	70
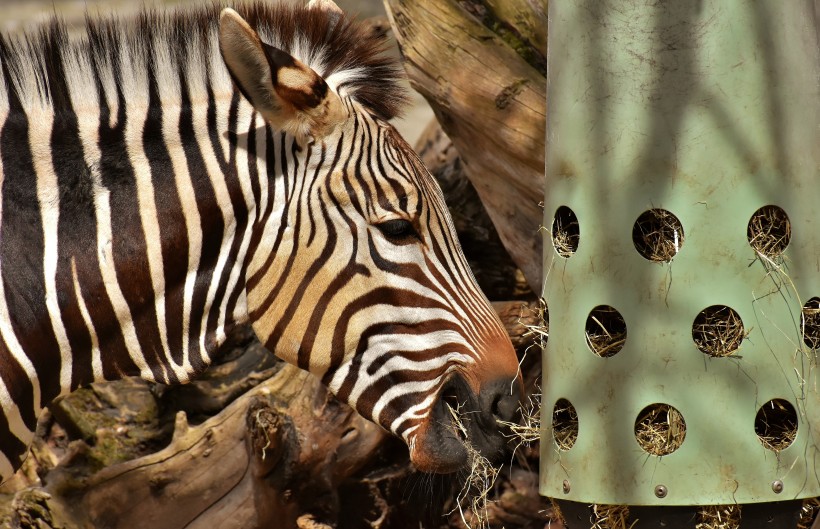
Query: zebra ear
327	5
288	93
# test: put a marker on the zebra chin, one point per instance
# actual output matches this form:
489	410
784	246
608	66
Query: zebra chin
462	417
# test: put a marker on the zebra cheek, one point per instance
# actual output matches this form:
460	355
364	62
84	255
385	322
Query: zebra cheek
499	360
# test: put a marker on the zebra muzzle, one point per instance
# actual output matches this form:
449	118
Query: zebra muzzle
462	418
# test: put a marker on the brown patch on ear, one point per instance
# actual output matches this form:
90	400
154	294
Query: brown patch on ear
315	108
294	81
288	93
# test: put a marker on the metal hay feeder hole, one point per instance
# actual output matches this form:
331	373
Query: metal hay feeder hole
810	323
776	424
605	331
718	331
566	233
769	231
564	424
658	235
660	429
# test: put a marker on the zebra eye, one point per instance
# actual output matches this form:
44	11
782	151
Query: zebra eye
397	229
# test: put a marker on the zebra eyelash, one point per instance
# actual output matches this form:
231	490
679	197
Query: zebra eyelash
398	229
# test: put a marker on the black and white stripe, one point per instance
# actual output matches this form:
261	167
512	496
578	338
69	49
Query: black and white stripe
147	207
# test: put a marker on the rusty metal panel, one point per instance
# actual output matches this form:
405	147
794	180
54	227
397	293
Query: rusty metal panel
710	110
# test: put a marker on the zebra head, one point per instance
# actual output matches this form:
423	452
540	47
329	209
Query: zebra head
359	276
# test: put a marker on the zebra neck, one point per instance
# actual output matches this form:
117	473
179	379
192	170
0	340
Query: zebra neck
125	232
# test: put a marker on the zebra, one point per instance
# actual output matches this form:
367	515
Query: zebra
166	177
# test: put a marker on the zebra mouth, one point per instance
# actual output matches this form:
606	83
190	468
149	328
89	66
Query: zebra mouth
456	421
459	427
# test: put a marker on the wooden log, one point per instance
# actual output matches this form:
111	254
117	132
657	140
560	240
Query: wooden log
481	64
275	456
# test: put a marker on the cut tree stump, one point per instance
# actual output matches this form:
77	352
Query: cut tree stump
481	64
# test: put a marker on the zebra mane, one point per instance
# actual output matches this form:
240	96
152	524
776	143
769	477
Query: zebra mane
46	68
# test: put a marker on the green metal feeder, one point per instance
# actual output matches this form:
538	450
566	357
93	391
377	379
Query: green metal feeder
682	263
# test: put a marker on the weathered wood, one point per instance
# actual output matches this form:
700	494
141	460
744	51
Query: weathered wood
481	64
278	453
518	318
275	454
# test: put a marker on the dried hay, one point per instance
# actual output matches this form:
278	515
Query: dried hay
557	514
564	424
776	424
540	331
475	493
660	429
808	512
810	323
528	431
657	235
605	331
769	231
718	331
718	517
610	517
566	233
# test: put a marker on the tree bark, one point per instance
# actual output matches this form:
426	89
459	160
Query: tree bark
481	64
276	455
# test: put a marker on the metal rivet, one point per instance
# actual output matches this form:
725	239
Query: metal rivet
660	491
566	486
777	486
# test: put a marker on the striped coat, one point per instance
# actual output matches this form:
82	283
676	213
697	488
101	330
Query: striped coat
169	177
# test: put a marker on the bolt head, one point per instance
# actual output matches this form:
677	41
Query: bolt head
566	486
660	491
777	486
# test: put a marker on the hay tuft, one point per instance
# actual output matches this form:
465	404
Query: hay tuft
808	513
769	231
610	517
475	493
660	429
605	331
810	323
557	514
564	424
718	331
566	233
540	332
657	235
718	517
528	431
776	424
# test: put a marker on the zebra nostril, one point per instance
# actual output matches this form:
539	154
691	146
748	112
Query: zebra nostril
503	401
495	406
505	408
